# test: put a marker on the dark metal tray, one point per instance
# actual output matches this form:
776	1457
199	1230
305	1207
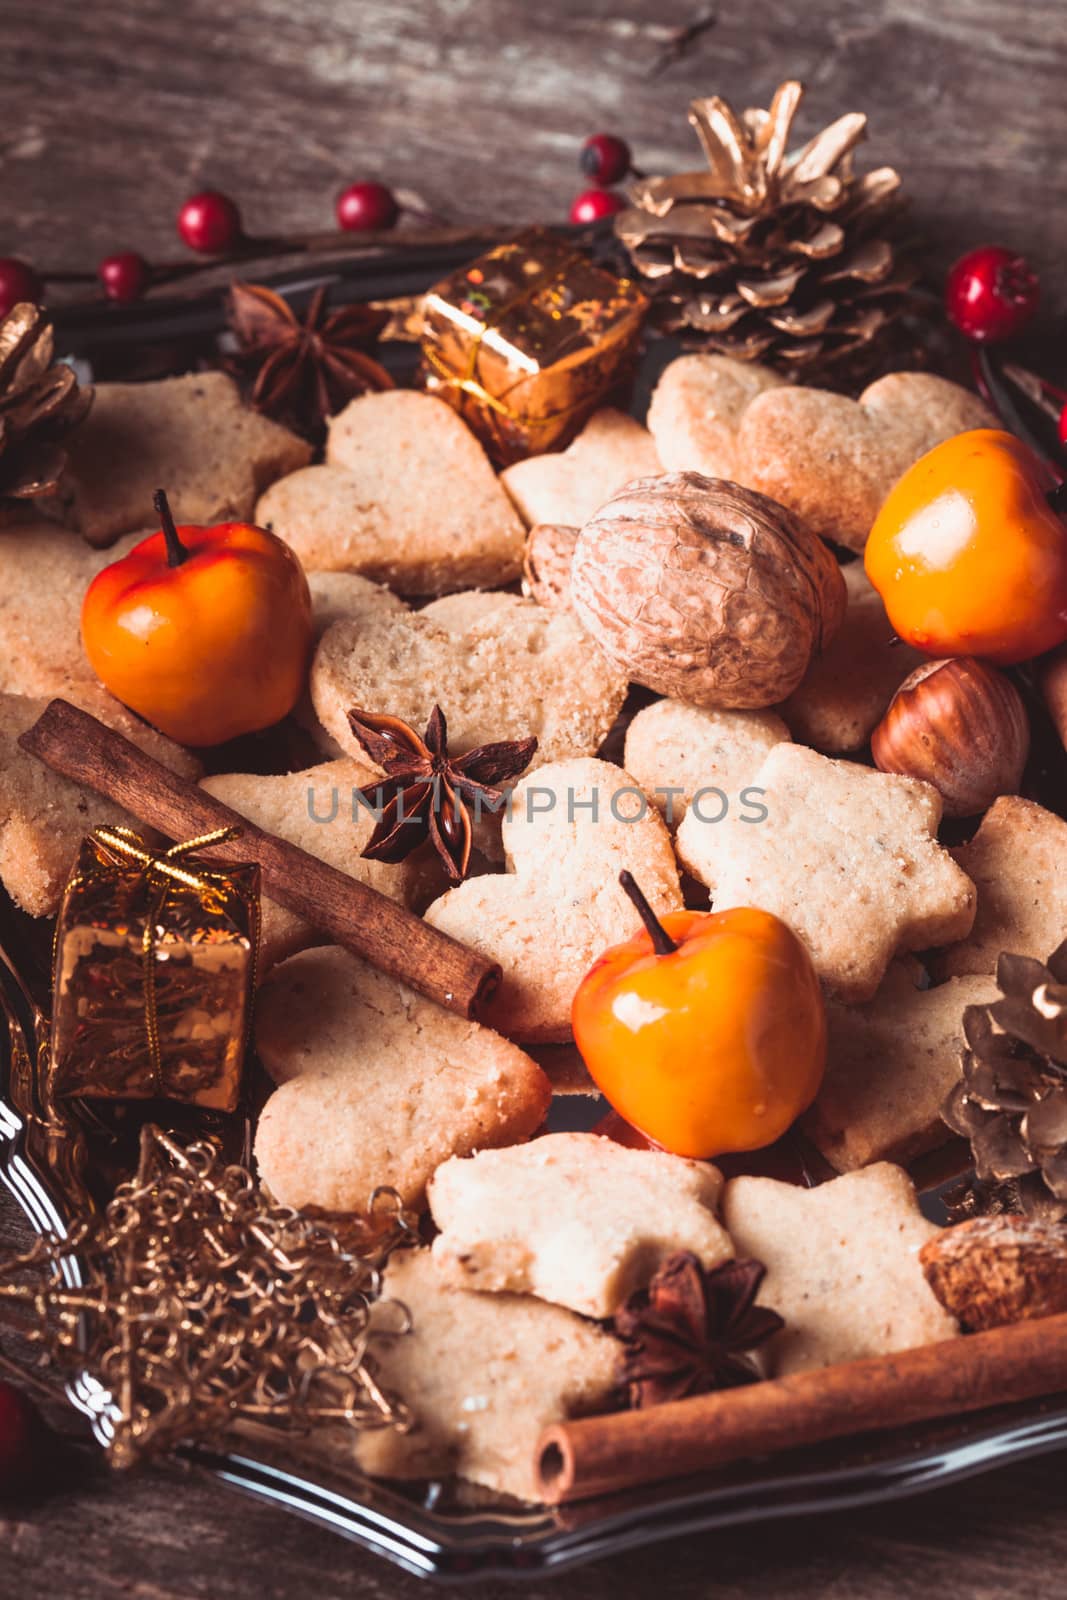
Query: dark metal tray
427	1529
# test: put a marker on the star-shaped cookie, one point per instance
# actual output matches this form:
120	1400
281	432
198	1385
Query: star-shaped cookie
890	1065
842	1265
484	1374
193	436
571	827
846	855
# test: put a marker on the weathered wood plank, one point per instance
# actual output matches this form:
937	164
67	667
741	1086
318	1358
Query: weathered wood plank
113	114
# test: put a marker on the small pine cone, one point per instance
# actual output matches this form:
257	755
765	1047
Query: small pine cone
40	401
1011	1102
791	260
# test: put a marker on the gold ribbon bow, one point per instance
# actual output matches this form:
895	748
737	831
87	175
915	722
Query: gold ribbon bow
161	870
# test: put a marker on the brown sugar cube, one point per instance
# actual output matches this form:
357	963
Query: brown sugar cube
567	486
848	687
995	1270
43	816
842	1265
572	1218
1018	861
484	1374
890	1065
406	496
847	856
378	1086
193	436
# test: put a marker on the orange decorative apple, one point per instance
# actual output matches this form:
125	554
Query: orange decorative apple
969	552
707	1031
205	632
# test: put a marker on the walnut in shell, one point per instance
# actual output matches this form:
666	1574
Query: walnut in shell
546	564
705	591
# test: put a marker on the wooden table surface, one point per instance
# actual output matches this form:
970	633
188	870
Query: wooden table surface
113	112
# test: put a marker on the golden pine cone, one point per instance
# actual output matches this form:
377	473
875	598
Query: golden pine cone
785	259
40	401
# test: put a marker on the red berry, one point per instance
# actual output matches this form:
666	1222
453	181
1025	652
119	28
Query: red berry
123	276
604	159
210	223
366	208
1063	426
21	1430
991	293
595	204
17	282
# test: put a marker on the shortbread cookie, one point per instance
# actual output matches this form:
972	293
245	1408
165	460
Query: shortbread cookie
484	1375
500	668
572	1218
890	1065
378	1085
44	573
848	687
567	486
1018	860
346	597
674	750
45	817
192	436
842	1266
318	810
406	496
847	856
829	459
696	409
338	597
560	906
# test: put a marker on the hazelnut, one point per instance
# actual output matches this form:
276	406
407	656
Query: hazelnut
960	725
1052	676
705	591
546	565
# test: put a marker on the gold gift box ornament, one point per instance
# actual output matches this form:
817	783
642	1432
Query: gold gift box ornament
527	340
155	957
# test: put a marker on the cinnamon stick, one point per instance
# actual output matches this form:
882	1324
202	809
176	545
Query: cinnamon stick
600	1455
370	924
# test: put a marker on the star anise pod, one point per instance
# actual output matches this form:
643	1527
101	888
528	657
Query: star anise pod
427	792
304	370
693	1330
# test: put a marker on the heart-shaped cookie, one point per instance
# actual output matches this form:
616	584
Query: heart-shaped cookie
830	459
571	828
406	496
46	571
317	809
378	1085
847	689
500	667
43	816
567	486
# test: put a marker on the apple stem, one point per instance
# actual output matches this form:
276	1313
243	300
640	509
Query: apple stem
176	551
662	942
